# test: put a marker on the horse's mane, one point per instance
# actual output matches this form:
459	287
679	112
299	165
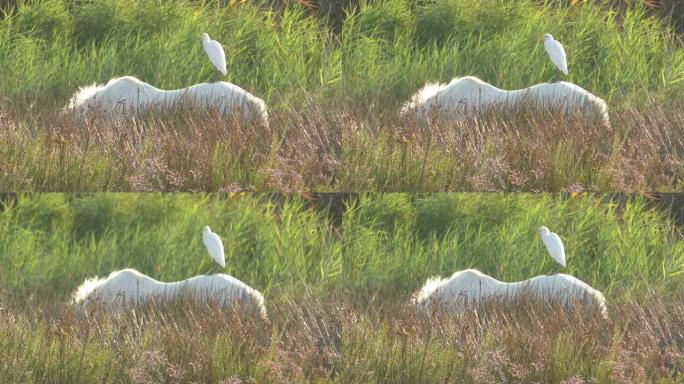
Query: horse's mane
89	91
432	89
88	286
91	284
83	94
431	285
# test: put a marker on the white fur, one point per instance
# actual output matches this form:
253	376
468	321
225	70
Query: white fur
465	95
128	94
128	286
473	287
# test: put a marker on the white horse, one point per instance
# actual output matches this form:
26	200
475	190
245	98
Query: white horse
130	287
128	94
474	287
467	95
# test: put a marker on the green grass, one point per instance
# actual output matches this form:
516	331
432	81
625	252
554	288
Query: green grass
338	340
392	49
640	151
54	48
334	97
160	235
496	233
337	293
51	242
385	51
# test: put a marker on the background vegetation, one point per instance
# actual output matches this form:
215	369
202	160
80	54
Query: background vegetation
384	52
387	241
395	46
334	82
337	291
55	46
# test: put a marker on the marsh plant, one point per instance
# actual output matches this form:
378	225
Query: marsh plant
337	294
334	92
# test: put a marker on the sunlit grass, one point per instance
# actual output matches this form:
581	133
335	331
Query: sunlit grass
51	242
385	51
392	48
53	48
640	151
339	147
334	98
337	288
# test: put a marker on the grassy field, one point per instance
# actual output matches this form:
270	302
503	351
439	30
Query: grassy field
334	97
337	291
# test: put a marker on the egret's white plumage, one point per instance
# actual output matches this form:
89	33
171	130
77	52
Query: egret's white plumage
474	287
465	96
553	244
556	53
130	287
214	245
127	95
215	52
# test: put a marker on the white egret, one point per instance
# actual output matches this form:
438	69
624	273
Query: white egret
126	95
474	287
464	97
214	246
553	244
556	53
130	287
215	52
